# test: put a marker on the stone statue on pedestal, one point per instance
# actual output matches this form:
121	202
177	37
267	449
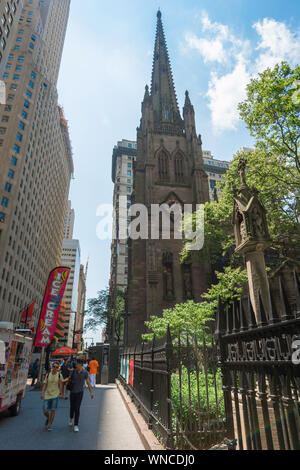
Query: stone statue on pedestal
252	238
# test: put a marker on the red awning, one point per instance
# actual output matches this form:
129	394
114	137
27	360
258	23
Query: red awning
64	352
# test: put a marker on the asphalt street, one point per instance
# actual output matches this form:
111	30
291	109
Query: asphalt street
104	425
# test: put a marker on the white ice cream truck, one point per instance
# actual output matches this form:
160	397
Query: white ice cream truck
15	356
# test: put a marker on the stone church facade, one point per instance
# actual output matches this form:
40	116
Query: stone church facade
169	170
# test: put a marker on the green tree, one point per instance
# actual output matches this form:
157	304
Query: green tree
193	319
98	311
271	112
104	310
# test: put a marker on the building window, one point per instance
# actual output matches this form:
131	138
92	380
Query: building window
8	187
4	202
163	166
179	169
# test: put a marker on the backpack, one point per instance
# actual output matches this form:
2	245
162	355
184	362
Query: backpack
47	376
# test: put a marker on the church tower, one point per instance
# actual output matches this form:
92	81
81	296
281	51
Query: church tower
169	170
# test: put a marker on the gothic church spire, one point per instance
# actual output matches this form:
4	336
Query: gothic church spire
164	100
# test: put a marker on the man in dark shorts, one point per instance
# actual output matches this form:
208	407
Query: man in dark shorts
76	383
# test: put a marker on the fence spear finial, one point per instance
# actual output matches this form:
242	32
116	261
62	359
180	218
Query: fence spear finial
263	320
285	309
251	314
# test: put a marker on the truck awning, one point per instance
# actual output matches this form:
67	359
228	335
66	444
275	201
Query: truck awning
2	352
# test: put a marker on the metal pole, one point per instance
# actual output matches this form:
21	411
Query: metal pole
38	385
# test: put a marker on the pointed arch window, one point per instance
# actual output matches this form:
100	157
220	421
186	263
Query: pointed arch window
163	166
179	169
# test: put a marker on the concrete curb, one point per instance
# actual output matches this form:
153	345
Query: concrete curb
150	442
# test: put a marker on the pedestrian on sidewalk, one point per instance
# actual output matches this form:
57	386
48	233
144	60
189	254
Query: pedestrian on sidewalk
76	387
51	391
65	372
85	367
93	371
34	372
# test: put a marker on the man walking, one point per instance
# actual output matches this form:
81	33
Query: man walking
52	389
76	386
93	371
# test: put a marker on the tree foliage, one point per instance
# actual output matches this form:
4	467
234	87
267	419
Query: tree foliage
98	311
104	309
193	318
272	113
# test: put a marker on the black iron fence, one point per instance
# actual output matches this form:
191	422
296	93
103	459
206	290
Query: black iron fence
176	385
260	361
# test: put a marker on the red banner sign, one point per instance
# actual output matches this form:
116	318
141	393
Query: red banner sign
131	372
26	316
51	306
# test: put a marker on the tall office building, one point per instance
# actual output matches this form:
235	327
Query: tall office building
81	299
35	161
10	11
70	258
69	221
123	161
216	171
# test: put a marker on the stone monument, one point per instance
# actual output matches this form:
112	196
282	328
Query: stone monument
252	238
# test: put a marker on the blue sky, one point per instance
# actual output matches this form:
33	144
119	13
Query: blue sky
215	48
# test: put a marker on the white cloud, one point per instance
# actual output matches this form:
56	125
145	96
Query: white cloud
224	94
212	51
277	42
238	61
221	29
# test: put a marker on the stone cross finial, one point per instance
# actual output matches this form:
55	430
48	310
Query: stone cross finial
242	170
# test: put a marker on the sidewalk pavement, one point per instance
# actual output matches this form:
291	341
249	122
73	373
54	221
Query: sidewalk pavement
104	424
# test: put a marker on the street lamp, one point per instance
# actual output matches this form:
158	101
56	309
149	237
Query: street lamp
77	332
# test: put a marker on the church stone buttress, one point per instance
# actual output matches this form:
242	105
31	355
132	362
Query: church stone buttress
169	170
